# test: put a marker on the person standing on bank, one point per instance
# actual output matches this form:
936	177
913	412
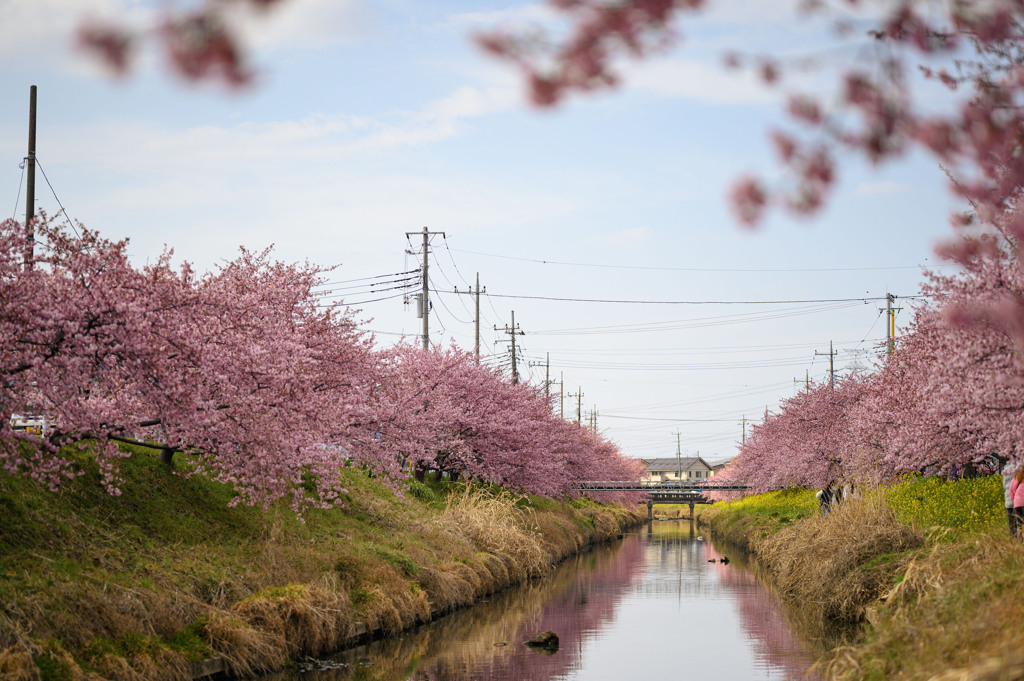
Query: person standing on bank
1008	471
1017	495
825	497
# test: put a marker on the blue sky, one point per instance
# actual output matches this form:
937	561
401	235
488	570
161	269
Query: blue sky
371	120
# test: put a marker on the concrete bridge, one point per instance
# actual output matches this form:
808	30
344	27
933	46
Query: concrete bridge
667	492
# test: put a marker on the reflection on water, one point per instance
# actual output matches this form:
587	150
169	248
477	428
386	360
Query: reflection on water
658	604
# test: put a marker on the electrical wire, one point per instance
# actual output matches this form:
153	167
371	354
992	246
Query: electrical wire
616	301
368	287
696	322
378	276
330	294
66	216
447	309
17	199
360	302
691	269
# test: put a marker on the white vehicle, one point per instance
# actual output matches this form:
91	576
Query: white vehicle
36	424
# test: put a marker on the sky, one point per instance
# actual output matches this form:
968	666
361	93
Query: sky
603	225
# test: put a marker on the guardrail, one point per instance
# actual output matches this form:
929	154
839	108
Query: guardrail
664	487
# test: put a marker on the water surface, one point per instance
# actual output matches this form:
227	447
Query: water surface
659	604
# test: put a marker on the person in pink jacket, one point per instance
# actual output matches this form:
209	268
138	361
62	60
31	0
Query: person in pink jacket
1017	495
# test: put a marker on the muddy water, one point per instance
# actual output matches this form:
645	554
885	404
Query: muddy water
657	605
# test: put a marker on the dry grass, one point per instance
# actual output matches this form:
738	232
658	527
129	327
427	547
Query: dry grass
842	563
493	523
954	615
245	649
16	665
140	586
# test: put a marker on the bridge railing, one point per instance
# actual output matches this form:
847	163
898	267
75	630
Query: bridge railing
665	487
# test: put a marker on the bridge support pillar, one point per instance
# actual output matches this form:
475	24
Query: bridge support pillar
650	510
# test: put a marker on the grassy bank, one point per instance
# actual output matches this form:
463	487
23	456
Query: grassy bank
145	584
927	565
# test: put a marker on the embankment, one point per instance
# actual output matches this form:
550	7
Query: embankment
935	602
150	584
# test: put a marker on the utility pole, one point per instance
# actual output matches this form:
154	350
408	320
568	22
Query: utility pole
547	375
425	295
476	293
579	404
513	332
561	395
679	459
744	422
831	365
807	380
30	186
890	324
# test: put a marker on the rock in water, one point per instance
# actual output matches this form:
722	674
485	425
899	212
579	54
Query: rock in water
545	639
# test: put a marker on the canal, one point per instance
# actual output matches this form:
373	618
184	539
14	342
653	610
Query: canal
660	604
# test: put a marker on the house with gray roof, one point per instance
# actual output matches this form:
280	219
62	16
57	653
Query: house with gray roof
681	469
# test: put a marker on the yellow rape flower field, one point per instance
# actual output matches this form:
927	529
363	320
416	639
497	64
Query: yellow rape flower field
970	504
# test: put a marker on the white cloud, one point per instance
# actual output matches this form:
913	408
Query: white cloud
880	188
630	237
510	17
305	23
314	138
698	80
45	29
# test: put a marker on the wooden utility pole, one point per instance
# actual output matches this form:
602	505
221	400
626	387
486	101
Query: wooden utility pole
831	365
30	185
475	293
561	395
425	294
579	404
679	454
547	375
744	423
807	379
513	331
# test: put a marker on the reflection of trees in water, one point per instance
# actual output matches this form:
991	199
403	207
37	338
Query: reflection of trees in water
577	601
485	641
782	635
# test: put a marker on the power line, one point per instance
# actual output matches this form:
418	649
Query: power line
696	322
679	420
691	302
330	294
697	269
360	302
55	198
17	199
445	306
378	276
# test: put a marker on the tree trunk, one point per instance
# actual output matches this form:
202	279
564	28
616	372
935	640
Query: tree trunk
167	457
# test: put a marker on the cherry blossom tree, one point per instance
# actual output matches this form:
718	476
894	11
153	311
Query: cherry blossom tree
240	369
439	410
807	443
197	39
259	386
